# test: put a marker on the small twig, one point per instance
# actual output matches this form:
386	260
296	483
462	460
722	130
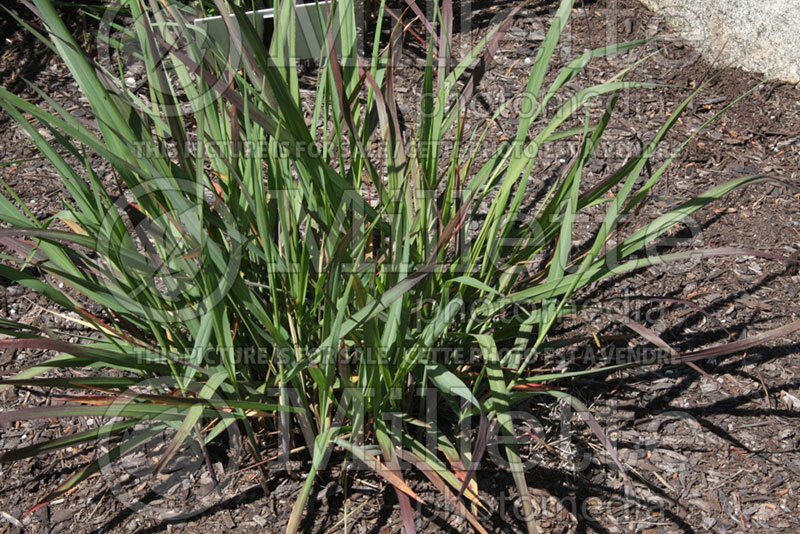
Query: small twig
14	521
99	502
766	391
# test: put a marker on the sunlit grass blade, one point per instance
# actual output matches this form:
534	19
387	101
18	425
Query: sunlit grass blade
501	406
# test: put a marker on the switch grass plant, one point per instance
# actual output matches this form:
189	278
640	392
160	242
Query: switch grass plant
233	218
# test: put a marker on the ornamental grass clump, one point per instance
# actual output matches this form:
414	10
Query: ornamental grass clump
264	264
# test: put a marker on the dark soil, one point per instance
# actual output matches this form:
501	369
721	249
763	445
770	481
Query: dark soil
705	453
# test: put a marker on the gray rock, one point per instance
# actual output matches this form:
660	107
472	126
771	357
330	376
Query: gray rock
60	516
756	35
